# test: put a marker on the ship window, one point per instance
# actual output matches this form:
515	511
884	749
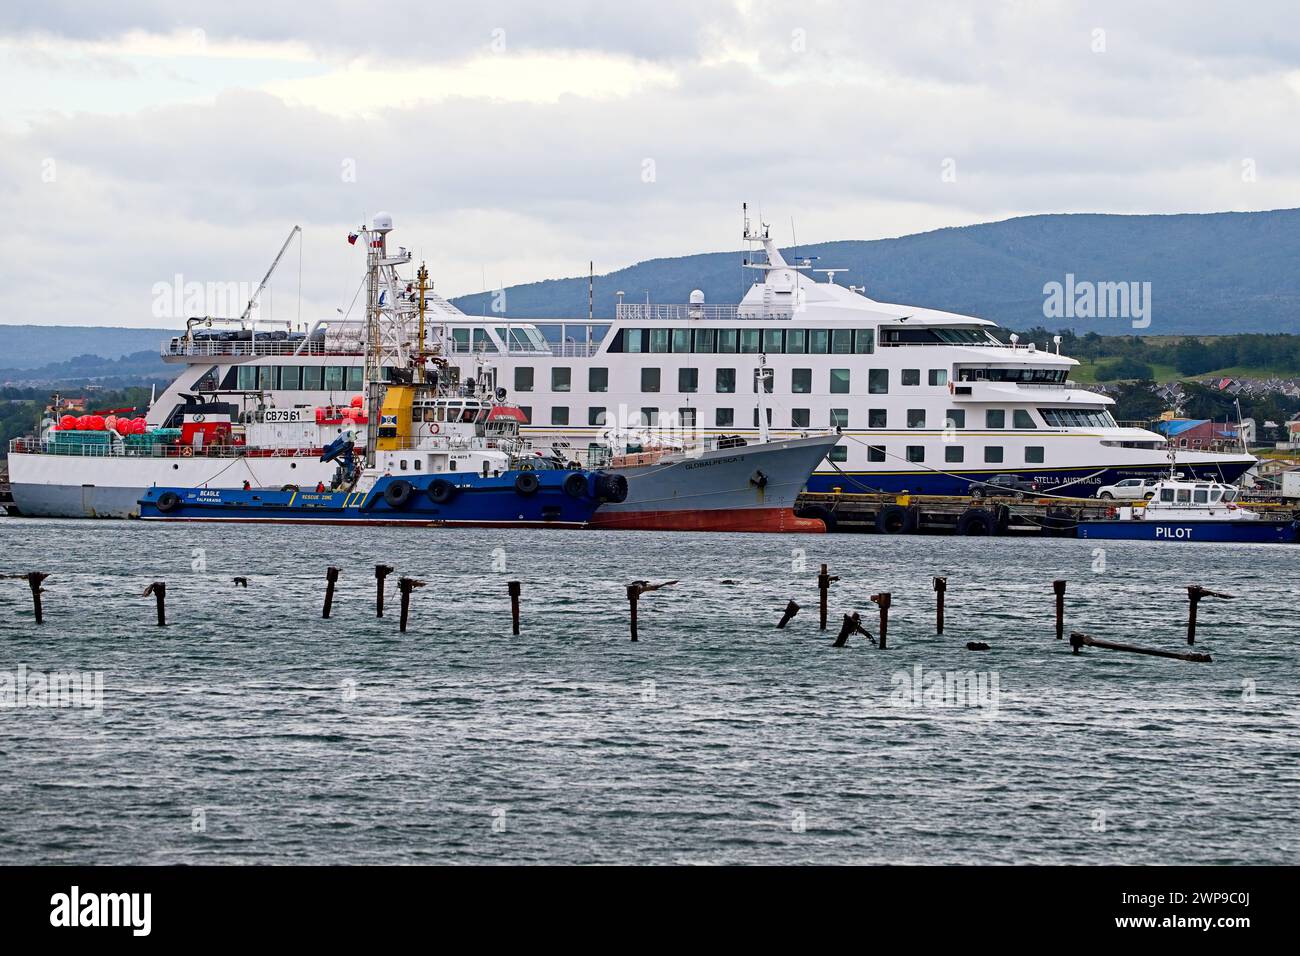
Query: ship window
1022	419
649	379
598	380
333	378
916	418
460	340
773	341
800	381
416	464
247	381
993	454
875	452
1216	494
749	340
527	412
727	339
954	454
1167	495
356	378
995	418
686	417
916	453
266	377
956	418
769	417
632	340
910	376
658	340
559	414
818	341
839	418
878	381
451	465
650	417
839	381
726	382
842	341
312	376
688	380
483	341
877	418
704	340
796	341
1184	496
523	378
1034	455
402	464
681	340
864	341
561	379
800	417
938	376
595	415
724	417
838	453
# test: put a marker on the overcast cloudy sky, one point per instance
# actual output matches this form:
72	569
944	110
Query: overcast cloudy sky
514	141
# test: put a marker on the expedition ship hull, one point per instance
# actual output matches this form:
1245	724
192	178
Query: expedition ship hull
748	488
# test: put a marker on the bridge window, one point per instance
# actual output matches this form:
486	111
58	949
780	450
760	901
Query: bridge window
954	454
877	418
842	341
800	417
335	376
796	341
818	341
649	379
993	454
878	381
773	341
483	341
658	340
876	453
633	340
864	341
839	381
598	380
1078	418
1034	455
312	377
1022	419
523	378
704	340
726	381
247	379
749	340
681	340
728	339
290	377
561	378
724	417
356	378
688	380
995	418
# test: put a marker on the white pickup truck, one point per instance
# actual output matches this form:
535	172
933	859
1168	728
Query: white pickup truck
1132	489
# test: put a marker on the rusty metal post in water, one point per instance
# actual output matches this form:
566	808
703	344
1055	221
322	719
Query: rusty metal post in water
883	599
406	586
940	585
791	610
381	571
1194	594
159	590
34	580
824	586
1079	640
1059	588
331	576
514	588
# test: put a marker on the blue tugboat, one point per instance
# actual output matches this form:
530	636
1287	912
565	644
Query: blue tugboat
1192	511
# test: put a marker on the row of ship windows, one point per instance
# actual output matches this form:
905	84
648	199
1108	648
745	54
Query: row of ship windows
688	380
994	418
952	454
295	378
768	340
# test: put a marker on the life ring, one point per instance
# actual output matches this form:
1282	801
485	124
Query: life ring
199	417
187	451
433	428
575	485
977	521
441	491
168	501
527	483
398	493
289	488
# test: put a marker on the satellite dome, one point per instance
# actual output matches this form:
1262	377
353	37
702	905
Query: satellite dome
697	297
383	222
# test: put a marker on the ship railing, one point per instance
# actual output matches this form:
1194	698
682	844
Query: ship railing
670	312
256	347
560	349
36	446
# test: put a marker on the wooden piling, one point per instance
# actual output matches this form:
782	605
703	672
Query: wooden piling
34	581
883	599
381	571
159	590
940	585
406	586
1194	594
514	588
1059	588
791	610
1079	640
331	577
824	586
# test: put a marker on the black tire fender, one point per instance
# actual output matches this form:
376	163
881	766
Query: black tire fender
977	521
441	491
526	483
168	501
895	519
398	493
575	485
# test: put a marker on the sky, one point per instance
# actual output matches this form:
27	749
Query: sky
148	147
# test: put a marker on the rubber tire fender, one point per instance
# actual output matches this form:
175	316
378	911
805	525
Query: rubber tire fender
895	519
526	483
977	521
398	494
168	502
441	491
611	488
575	485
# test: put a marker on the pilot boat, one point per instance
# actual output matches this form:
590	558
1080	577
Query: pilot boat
1181	510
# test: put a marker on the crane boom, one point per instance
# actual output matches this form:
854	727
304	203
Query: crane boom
267	278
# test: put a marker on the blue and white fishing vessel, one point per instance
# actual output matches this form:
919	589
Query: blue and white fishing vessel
1192	511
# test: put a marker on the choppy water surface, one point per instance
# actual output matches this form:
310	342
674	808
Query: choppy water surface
249	730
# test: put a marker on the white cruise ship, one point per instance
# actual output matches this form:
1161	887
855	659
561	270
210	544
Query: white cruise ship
925	401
